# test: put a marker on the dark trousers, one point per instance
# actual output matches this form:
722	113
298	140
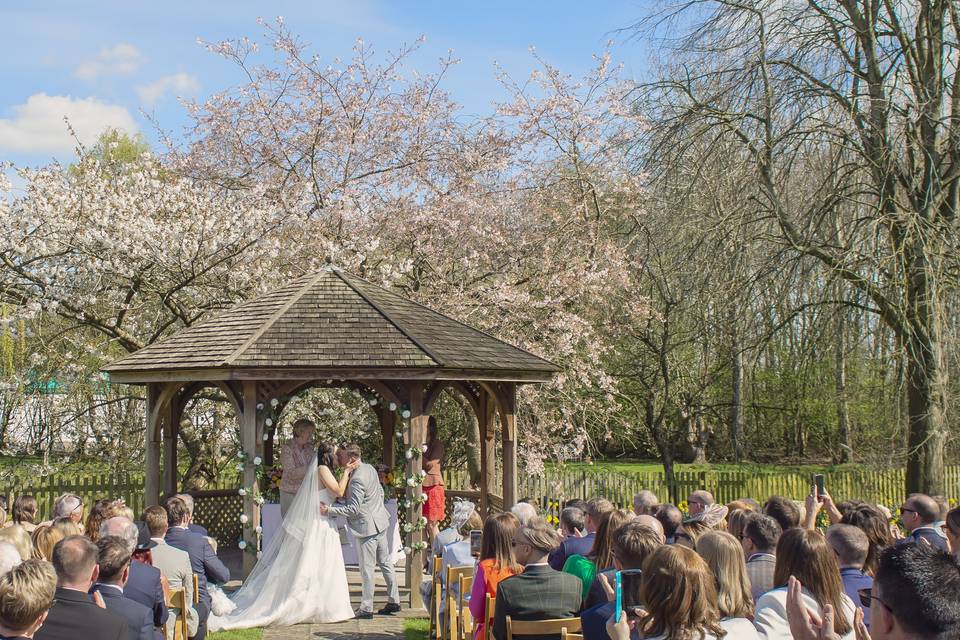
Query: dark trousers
203	612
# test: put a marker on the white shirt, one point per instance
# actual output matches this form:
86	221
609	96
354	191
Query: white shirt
739	629
771	619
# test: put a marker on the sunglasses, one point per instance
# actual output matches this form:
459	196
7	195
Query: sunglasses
866	595
903	510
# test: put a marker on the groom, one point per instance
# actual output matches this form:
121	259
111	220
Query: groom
368	521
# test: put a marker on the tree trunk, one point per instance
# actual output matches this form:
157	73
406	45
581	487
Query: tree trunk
736	403
843	415
926	384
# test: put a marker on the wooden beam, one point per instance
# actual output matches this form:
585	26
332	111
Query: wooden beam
171	428
248	441
152	447
418	436
388	428
508	399
488	461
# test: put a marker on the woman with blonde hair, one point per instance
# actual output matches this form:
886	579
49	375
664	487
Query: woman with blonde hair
724	555
67	527
680	597
497	563
45	538
805	554
18	537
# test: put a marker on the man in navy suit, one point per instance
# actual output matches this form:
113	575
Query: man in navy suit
144	582
574	544
192	526
114	561
918	514
74	613
204	562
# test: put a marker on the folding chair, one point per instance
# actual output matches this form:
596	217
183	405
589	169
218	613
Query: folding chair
554	627
178	600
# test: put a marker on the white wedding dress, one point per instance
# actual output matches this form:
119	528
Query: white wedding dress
300	576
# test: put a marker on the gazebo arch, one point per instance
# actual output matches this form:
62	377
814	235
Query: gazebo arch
333	329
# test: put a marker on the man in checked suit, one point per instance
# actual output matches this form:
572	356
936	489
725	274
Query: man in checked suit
540	592
759	541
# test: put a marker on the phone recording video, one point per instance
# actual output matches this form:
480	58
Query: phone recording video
476	536
627	592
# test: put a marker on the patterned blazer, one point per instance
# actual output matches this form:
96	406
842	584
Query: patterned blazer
539	593
760	568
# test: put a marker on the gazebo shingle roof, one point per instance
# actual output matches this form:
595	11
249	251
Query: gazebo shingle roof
330	320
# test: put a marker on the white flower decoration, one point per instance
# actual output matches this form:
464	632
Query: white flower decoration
399	434
373	402
242	545
423	448
274	402
268	422
392	406
257	461
259	406
259	500
266	436
423	520
407	550
239	466
259	530
240	455
242	492
408	455
405	414
423	474
243	518
411	482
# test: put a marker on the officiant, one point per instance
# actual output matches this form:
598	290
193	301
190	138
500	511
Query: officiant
296	457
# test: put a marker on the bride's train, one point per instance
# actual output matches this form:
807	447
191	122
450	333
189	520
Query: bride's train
300	577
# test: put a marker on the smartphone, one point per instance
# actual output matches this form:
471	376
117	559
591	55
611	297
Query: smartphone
818	480
627	575
475	537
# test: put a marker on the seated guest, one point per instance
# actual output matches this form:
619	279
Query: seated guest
19	538
572	523
25	512
75	615
943	506
45	538
461	513
917	594
540	592
711	517
114	561
724	555
951	529
698	501
100	511
9	557
173	564
679	599
144	583
192	526
737	512
671	518
645	503
633	543
600	558
67	506
68	527
784	511
918	514
592	514
525	512
851	546
26	594
760	536
457	554
653	524
497	562
804	553
876	526
203	561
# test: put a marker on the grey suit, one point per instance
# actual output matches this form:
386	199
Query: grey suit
369	521
760	568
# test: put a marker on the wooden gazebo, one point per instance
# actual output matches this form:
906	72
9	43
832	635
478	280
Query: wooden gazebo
332	329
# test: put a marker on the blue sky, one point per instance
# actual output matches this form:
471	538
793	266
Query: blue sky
112	63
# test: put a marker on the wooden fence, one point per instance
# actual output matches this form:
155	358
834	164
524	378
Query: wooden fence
557	485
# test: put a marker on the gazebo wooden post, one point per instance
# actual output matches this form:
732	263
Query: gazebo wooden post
171	423
508	400
485	413
152	446
418	436
388	427
248	441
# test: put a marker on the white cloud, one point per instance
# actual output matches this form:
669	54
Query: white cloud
38	126
120	59
179	82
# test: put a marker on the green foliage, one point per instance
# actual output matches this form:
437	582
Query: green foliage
416	629
237	634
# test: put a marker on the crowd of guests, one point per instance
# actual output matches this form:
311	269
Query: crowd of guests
103	573
741	571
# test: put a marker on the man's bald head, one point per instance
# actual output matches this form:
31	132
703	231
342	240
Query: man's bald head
75	561
924	507
120	527
645	502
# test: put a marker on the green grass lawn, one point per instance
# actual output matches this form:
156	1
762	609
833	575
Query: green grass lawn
239	634
646	466
416	628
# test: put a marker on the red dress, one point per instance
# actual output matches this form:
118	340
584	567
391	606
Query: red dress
435	507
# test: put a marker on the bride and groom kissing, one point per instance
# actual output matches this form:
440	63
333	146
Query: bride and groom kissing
300	577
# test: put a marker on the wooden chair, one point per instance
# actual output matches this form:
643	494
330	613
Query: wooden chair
489	608
451	608
570	636
178	600
465	622
196	589
435	598
555	627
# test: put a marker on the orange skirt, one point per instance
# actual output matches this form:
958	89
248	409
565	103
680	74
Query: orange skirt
435	507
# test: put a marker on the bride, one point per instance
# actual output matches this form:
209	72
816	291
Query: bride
300	576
